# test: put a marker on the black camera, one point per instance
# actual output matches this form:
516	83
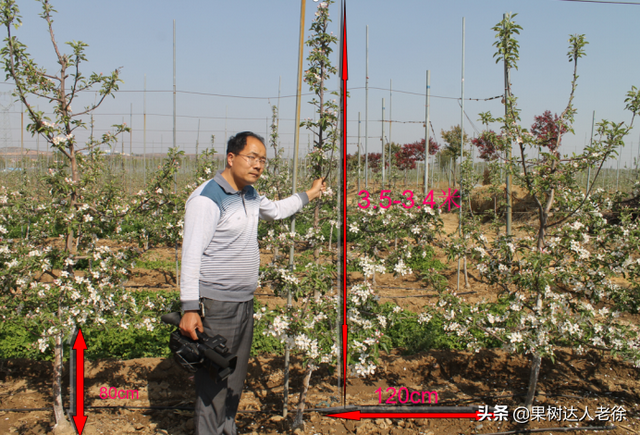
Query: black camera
208	352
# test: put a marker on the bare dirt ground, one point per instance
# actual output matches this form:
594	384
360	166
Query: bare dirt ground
458	378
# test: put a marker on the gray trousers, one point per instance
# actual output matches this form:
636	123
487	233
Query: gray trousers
217	403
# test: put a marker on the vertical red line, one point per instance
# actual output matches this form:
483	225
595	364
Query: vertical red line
79	346
345	76
80	383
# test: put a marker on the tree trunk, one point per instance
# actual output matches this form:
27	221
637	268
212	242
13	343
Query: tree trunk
316	224
62	427
466	276
298	421
533	380
70	247
330	239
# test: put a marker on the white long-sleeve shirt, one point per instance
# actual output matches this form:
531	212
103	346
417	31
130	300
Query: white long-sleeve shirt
220	255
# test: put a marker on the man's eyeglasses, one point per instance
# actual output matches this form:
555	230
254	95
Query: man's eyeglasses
251	159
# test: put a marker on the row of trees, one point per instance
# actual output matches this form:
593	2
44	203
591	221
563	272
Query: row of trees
546	131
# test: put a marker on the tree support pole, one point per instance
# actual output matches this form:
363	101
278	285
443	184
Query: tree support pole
294	186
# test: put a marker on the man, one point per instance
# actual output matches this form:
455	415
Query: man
220	261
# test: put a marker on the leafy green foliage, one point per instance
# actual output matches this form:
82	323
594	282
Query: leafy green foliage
20	340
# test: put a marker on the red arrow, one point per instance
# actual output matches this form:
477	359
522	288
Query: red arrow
344	74
79	346
357	415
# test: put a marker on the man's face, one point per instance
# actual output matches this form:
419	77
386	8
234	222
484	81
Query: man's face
243	172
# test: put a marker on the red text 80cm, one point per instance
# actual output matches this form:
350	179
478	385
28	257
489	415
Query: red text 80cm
114	393
404	396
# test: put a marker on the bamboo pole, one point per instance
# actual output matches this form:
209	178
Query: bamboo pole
383	151
426	132
366	117
296	143
131	146
197	143
461	144
175	182
144	134
359	173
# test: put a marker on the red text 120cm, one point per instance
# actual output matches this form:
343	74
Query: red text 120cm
403	395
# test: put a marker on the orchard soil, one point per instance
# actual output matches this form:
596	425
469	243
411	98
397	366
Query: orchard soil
490	377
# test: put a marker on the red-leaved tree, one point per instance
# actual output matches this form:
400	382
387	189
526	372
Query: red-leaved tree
375	162
411	153
548	130
487	144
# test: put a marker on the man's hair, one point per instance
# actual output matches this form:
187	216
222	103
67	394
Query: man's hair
237	143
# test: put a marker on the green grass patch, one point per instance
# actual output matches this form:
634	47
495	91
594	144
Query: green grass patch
157	264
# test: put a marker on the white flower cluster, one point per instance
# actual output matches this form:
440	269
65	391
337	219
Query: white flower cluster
360	293
258	315
515	337
148	323
314	236
583	254
429	210
402	268
493	319
364	369
576	225
424	318
369	267
480	251
287	277
305	344
278	327
354	318
43	344
12	263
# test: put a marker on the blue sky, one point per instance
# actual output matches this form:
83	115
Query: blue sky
244	48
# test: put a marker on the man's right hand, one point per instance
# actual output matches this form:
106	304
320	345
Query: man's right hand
189	323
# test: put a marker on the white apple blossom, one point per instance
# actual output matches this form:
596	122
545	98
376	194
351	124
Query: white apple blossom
402	268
